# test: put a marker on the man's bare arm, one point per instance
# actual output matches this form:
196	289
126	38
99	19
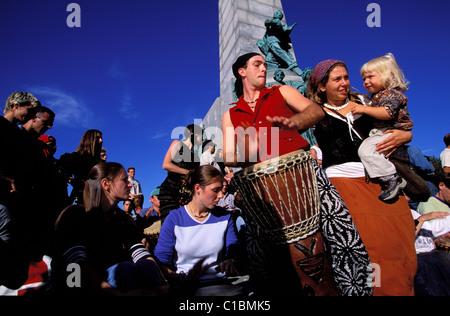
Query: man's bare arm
307	114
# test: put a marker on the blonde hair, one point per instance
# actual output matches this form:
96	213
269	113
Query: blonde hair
391	75
21	98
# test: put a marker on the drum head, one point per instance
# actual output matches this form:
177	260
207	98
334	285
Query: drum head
155	228
272	165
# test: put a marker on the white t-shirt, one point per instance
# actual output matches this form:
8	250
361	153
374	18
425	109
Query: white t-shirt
207	159
136	188
445	157
430	230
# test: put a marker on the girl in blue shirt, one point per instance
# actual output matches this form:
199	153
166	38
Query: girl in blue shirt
198	240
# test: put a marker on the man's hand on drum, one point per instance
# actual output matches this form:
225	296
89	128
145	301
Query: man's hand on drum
283	123
227	267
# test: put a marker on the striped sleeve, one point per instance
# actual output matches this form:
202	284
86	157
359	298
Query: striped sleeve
139	252
76	254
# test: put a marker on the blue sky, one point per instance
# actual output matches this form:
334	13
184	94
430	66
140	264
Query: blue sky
138	69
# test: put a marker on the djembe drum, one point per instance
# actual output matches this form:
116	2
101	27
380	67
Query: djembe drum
282	197
443	244
151	234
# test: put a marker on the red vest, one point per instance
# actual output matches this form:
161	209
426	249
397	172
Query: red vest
270	103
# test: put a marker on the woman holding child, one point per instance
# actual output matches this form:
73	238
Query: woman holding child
387	230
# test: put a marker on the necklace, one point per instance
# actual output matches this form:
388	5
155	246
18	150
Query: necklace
250	102
337	108
197	216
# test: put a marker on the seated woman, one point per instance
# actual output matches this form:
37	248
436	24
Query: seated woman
103	241
198	241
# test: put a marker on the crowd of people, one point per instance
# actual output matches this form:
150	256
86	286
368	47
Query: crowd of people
383	206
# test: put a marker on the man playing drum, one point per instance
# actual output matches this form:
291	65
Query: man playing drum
265	124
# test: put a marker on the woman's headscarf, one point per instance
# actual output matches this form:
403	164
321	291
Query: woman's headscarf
321	69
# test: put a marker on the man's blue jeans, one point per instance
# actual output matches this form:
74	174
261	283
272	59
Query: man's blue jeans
127	275
433	274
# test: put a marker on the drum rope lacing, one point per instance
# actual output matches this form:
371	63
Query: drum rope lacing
285	169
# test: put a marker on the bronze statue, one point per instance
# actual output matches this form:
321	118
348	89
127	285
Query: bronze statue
275	44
